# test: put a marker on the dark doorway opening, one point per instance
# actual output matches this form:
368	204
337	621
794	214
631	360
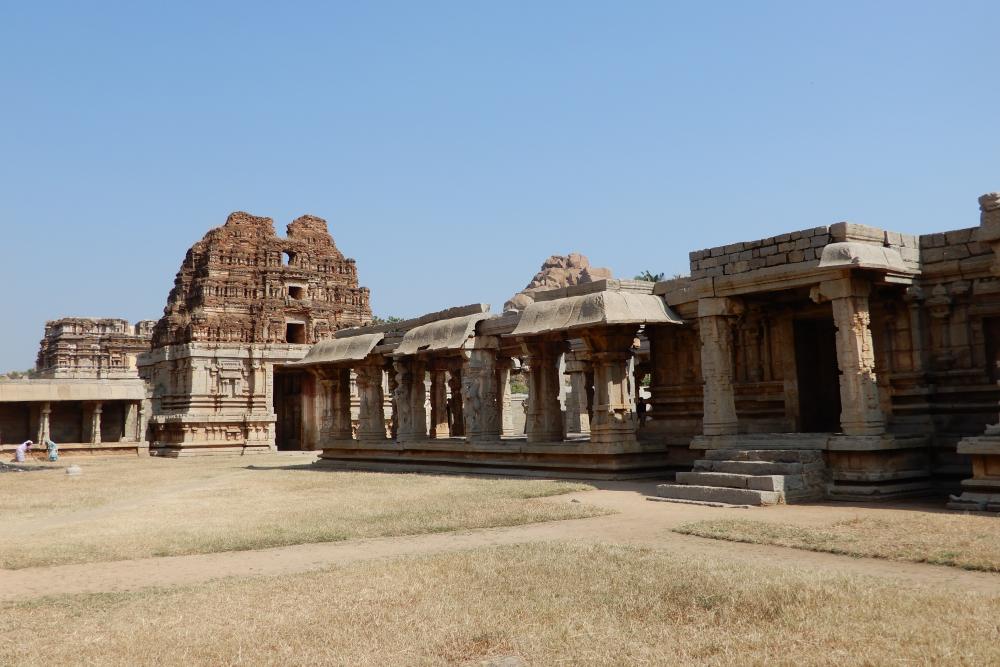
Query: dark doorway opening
295	333
991	335
288	408
818	376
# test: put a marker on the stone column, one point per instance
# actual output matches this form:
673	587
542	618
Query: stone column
339	401
410	396
860	411
544	420
503	366
131	418
95	425
479	392
614	419
43	423
714	325
577	403
455	403
371	415
439	404
989	226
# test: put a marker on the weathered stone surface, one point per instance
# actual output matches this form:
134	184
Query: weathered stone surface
719	494
92	348
557	271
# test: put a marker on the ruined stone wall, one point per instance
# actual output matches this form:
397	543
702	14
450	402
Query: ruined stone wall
937	344
92	348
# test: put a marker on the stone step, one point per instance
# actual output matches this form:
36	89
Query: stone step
719	494
774	455
749	467
732	480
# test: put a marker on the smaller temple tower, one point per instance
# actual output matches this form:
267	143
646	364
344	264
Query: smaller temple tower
245	303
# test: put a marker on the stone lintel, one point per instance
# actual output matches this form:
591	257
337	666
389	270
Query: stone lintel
840	288
719	306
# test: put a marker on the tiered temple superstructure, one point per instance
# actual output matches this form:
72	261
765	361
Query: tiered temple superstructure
92	348
245	303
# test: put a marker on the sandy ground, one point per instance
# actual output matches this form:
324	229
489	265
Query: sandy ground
638	521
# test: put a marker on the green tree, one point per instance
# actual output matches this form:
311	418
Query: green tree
650	276
391	319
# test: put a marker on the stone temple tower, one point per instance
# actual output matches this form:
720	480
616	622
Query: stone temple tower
245	303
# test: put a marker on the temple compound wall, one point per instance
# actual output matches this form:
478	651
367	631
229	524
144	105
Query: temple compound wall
88	397
245	304
865	359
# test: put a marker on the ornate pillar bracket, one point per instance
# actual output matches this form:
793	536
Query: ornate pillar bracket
544	419
860	412
371	413
480	405
614	420
715	316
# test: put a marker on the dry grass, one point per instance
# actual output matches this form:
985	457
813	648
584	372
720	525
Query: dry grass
546	603
136	508
965	541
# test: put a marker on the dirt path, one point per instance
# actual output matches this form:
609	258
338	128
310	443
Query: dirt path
639	522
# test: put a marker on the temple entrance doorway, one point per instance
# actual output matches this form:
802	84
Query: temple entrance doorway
288	408
818	375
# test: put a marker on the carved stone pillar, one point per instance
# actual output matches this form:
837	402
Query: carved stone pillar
131	419
43	422
714	326
544	420
371	413
577	402
503	366
339	402
614	419
439	404
861	413
455	402
410	396
95	424
479	395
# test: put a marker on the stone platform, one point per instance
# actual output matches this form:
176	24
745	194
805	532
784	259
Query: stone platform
578	458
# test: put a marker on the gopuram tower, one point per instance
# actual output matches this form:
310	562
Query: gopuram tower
245	303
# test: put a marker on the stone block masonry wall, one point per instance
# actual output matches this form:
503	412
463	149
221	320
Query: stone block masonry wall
946	252
791	248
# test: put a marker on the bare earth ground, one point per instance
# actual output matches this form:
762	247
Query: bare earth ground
128	508
967	541
611	589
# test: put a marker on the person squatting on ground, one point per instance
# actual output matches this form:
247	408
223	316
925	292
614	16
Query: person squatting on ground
22	450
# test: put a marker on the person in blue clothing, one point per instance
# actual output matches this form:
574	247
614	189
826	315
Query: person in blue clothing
53	449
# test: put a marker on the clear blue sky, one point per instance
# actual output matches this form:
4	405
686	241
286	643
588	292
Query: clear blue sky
453	146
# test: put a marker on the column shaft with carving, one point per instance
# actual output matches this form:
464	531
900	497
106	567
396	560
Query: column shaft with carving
455	402
480	408
614	414
578	365
860	410
439	404
714	326
544	419
371	413
503	366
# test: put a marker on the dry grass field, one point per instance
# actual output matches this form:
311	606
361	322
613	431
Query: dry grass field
966	541
135	508
548	604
